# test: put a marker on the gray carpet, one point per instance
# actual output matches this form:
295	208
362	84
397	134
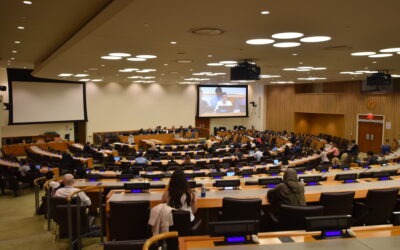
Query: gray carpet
21	229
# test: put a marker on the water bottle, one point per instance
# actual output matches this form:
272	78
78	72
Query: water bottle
203	191
302	182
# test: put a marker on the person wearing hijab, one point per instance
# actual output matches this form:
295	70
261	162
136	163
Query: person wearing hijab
289	192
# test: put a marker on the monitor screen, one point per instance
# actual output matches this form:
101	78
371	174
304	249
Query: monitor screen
276	162
117	158
222	101
230	173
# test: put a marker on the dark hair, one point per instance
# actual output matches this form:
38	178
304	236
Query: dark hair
178	186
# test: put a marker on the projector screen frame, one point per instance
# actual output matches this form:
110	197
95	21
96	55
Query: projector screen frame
222	86
24	75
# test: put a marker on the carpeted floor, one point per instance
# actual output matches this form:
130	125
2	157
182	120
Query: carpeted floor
21	229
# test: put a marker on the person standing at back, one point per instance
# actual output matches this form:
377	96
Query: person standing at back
289	192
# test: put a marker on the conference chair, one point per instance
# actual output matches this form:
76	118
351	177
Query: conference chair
124	245
128	220
337	203
61	218
240	209
182	225
293	217
377	207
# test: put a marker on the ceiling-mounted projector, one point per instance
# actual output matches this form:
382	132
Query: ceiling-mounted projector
245	71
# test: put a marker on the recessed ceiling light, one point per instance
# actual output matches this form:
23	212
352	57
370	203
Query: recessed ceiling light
172	42
315	39
264	12
228	62
12	58
84	80
260	41
215	64
294	54
20	27
396	76
97	80
209	55
65	74
148	77
14	51
17	42
207	31
269	76
380	55
290	69
146	56
373	61
287	35
128	70
119	54
111	57
345	72
286	45
305	67
230	65
282	82
364	53
390	50
184	61
27	2
319	68
81	75
135	59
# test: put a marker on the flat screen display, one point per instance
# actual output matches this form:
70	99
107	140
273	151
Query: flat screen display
222	101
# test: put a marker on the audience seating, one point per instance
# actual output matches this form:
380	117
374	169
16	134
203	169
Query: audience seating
293	217
182	225
128	220
337	203
377	207
240	209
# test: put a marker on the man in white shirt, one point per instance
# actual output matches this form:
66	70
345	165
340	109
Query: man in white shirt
68	189
258	154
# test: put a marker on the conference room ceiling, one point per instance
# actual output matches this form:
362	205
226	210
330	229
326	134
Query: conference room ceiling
71	36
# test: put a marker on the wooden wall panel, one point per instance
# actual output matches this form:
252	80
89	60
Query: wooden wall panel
279	107
283	103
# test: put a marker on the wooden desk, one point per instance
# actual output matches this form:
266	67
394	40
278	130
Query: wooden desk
19	149
37	150
381	237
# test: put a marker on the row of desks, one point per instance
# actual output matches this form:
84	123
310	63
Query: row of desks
385	237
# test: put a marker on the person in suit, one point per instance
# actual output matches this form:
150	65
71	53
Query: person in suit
67	161
290	192
371	158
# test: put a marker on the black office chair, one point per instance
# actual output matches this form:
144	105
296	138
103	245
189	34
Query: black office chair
128	220
60	217
337	203
240	209
182	225
377	207
293	217
124	245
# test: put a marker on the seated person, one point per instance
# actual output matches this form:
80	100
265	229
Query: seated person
290	192
258	154
223	103
64	192
371	158
187	160
386	148
336	162
141	160
179	195
87	148
238	153
323	155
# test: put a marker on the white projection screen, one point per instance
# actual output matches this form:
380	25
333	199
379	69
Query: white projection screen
46	102
222	101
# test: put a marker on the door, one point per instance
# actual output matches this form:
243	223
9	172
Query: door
80	132
370	136
203	125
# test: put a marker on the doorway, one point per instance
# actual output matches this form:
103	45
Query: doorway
370	133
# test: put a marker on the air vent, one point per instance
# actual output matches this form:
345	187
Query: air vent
207	31
338	48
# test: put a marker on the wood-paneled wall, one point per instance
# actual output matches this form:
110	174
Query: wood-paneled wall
283	103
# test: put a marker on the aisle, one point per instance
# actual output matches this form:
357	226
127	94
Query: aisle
21	229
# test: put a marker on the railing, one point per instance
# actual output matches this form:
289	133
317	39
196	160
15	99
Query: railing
158	237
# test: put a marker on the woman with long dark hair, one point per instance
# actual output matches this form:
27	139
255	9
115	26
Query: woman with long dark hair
179	195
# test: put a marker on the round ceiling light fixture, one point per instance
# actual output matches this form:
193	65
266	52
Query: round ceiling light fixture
286	45
260	41
315	39
287	35
207	31
363	53
380	55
